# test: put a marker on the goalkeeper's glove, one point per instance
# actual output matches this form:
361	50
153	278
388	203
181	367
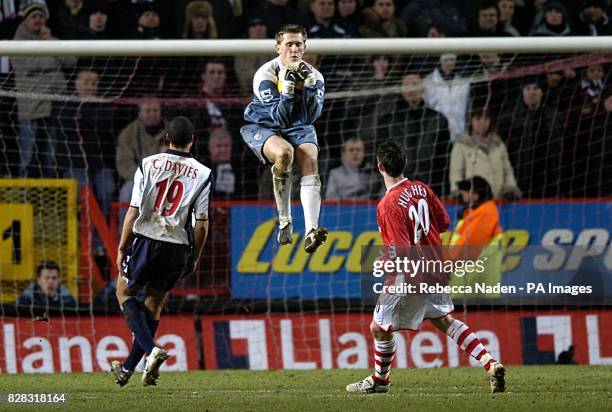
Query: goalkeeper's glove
306	74
288	78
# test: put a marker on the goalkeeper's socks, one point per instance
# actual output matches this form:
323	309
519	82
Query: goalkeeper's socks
282	193
136	319
310	195
136	353
469	342
384	352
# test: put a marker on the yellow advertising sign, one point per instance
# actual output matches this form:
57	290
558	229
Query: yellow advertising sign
16	242
38	222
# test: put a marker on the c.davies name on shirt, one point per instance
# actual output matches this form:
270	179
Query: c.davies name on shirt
176	168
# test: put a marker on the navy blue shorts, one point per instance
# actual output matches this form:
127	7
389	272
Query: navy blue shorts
155	263
255	137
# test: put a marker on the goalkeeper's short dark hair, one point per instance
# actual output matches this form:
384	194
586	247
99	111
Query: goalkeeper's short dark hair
180	131
290	28
392	156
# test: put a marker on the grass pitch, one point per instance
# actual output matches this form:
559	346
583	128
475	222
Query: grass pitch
541	388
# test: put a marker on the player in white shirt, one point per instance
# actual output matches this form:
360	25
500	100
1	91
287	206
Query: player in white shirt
171	192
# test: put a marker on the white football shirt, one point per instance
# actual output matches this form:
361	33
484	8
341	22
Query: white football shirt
171	190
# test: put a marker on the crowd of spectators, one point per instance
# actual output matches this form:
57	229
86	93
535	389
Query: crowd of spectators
222	19
530	136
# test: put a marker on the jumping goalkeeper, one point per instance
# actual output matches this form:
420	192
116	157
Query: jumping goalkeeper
288	98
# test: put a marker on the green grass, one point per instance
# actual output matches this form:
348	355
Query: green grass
540	388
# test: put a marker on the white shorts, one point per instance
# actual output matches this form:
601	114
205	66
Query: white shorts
394	312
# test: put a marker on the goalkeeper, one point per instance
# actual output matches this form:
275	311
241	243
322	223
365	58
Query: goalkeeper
288	98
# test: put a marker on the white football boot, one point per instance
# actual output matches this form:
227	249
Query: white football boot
285	234
151	371
367	385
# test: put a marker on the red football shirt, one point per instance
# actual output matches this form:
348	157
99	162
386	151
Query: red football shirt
410	214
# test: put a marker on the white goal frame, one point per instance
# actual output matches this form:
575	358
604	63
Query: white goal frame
394	46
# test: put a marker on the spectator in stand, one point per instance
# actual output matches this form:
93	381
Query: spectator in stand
356	178
322	24
478	223
506	13
593	21
97	23
141	138
199	21
480	151
47	291
555	84
147	19
555	21
380	21
448	93
423	132
534	145
69	19
348	13
213	86
592	86
435	31
86	145
586	132
488	88
225	171
246	66
449	15
214	78
214	110
37	75
477	234
488	23
277	13
223	12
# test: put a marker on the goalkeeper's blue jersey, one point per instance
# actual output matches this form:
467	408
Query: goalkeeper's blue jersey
272	109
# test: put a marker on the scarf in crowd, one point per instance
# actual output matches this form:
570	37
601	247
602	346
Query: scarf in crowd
593	88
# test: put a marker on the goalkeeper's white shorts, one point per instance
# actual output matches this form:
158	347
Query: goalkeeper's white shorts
395	312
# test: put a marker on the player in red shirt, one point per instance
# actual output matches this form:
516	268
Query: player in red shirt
411	215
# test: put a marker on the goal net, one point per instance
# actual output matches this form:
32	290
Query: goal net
536	126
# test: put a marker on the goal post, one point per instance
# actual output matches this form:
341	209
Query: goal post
317	46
